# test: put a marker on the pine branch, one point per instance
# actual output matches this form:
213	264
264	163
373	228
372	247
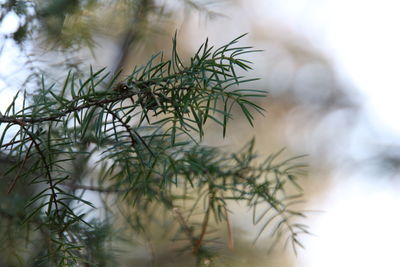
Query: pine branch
88	103
145	160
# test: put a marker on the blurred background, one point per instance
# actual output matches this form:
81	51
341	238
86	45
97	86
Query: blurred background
331	71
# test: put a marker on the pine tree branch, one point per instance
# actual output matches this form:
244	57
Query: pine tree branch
53	197
89	102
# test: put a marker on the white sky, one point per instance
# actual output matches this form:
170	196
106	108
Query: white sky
362	38
360	225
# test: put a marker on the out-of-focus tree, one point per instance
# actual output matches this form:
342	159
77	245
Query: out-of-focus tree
131	141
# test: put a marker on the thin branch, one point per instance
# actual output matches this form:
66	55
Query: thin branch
128	129
90	102
14	142
229	228
20	169
47	168
204	225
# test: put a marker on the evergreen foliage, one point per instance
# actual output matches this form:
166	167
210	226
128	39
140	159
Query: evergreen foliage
136	142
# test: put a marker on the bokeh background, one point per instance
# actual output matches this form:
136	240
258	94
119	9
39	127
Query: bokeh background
331	71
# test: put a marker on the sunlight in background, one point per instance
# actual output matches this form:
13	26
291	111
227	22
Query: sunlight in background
366	43
359	226
361	38
360	222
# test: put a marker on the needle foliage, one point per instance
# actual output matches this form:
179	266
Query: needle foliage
98	162
140	136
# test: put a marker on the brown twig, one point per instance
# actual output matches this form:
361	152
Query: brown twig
135	88
14	142
89	102
229	228
204	225
47	168
128	129
13	183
